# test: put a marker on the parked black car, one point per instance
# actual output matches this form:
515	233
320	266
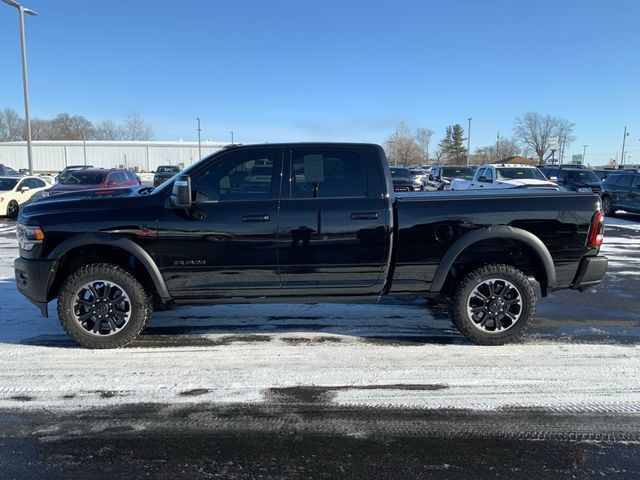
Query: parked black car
323	223
574	179
164	173
441	176
402	179
621	191
6	171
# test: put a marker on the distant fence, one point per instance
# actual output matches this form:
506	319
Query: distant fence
53	156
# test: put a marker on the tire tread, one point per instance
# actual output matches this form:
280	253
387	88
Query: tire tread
97	270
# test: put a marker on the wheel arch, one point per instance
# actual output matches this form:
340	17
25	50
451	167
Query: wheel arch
532	242
99	243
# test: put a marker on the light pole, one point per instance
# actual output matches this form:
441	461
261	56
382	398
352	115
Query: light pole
25	84
584	152
199	142
231	137
469	140
624	139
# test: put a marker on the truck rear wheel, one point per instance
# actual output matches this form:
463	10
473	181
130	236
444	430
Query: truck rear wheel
103	306
494	305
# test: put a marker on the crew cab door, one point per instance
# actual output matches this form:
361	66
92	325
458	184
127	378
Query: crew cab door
225	244
332	228
634	194
622	191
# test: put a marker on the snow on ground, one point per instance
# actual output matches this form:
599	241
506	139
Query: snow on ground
237	353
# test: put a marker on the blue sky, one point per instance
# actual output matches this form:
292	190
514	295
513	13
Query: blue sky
334	70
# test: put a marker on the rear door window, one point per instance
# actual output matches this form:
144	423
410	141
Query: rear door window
624	181
327	174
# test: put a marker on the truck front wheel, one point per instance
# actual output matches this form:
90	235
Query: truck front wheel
103	306
494	305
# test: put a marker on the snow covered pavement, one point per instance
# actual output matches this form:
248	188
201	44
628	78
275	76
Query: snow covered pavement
392	356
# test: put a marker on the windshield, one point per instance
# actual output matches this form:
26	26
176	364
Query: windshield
400	173
581	176
83	178
458	172
168	169
7	184
519	173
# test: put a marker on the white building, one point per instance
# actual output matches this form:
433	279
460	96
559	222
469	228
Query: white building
53	156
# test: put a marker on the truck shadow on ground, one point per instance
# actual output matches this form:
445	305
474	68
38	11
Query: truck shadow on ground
310	325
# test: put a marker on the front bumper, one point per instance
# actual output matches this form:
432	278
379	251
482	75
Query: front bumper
33	279
590	272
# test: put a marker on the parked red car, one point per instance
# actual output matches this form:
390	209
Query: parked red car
94	179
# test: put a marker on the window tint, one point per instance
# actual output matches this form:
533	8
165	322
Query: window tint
327	174
481	172
81	177
458	172
582	176
37	183
245	175
624	181
400	172
489	174
520	173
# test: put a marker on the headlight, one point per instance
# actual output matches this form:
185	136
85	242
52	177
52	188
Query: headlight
584	190
29	237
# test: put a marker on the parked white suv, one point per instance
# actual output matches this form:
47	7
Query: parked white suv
504	176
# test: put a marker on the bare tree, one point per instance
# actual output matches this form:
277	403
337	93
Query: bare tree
41	129
108	130
535	130
11	126
423	138
135	128
67	127
506	148
565	136
401	147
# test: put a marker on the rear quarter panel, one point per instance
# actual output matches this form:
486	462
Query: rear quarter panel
428	224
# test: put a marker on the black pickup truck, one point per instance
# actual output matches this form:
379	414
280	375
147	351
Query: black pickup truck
302	223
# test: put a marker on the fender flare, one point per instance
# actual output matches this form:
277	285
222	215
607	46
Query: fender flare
499	232
120	242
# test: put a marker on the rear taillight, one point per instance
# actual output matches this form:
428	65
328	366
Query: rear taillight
596	231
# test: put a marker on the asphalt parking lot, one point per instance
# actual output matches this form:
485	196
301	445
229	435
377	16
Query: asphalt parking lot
330	391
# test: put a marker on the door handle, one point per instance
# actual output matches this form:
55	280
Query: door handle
256	218
364	216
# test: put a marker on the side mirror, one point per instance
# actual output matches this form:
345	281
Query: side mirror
181	192
24	189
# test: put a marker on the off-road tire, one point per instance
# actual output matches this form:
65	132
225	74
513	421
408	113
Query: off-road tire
464	323
607	206
141	305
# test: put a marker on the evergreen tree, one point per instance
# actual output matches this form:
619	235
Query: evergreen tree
452	145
